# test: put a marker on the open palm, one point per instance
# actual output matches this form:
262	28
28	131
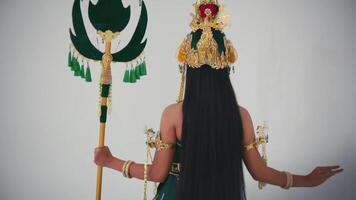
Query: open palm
320	174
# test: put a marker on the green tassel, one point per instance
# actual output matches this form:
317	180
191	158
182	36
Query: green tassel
73	65
77	69
72	62
143	70
69	59
82	72
139	69
77	72
88	75
127	76
132	76
137	72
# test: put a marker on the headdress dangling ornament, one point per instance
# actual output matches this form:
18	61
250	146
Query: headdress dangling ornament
206	44
109	18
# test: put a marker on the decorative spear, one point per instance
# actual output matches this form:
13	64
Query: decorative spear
109	18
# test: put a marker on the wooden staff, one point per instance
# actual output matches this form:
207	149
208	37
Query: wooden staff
105	84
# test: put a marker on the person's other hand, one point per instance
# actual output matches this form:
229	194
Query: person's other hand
102	156
320	174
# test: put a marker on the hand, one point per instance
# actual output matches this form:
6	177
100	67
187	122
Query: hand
320	174
102	156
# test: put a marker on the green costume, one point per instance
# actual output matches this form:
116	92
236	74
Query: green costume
167	189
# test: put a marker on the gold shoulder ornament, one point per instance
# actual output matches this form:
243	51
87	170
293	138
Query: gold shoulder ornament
262	139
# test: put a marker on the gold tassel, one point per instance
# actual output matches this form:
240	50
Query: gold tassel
149	135
180	97
98	110
110	100
262	140
145	173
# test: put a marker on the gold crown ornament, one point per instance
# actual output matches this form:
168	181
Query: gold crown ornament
206	43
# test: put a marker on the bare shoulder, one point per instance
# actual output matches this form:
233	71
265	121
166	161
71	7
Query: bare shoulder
245	115
170	107
172	113
170	116
172	110
249	135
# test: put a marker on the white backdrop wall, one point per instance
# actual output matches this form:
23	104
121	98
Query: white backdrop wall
297	70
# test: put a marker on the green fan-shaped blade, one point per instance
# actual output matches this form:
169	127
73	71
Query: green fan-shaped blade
81	40
109	15
135	46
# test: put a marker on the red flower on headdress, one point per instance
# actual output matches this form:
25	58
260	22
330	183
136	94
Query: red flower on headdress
207	9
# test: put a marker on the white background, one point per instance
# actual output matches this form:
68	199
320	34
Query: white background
297	70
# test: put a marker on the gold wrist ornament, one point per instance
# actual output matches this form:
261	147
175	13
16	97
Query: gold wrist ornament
262	139
123	168
126	168
289	180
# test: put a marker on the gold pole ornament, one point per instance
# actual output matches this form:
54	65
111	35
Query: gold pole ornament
107	58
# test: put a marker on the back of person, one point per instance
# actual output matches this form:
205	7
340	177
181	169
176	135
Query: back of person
206	126
211	158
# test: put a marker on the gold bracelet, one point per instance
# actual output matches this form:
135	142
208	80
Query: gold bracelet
123	168
289	180
127	170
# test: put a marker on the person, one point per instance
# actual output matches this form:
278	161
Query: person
206	136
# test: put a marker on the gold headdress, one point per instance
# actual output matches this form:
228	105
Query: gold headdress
206	44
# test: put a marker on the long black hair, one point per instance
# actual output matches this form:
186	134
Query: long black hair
212	130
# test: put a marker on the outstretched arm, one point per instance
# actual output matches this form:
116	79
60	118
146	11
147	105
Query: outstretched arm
260	172
159	169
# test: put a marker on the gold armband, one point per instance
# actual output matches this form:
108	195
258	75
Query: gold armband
154	141
251	146
160	145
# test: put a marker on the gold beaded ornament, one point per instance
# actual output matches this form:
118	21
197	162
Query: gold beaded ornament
262	139
206	44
